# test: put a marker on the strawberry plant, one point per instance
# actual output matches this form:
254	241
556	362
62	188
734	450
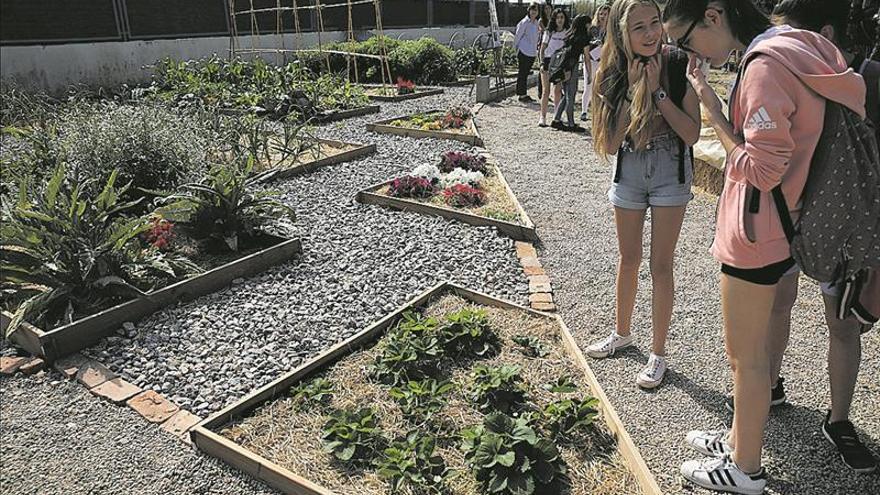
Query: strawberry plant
498	388
567	416
464	196
509	457
412	463
352	435
531	346
420	400
411	187
467	332
315	392
407	356
562	385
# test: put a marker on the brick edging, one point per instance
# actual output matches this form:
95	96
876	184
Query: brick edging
103	383
540	287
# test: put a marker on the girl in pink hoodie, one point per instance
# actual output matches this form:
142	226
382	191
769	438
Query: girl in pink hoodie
776	112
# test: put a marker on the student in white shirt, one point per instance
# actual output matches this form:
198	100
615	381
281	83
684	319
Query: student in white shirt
526	44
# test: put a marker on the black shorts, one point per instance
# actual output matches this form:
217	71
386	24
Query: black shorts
545	65
766	275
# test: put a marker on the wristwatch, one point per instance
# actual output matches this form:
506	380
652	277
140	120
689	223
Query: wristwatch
660	95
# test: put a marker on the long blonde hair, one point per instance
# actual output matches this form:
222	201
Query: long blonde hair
612	87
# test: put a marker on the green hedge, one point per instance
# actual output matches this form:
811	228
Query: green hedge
423	61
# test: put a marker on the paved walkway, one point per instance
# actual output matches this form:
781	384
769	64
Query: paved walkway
562	184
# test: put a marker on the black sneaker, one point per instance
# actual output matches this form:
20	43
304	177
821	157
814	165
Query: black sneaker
777	396
558	125
843	435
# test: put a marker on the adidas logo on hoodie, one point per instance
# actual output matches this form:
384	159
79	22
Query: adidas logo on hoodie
760	120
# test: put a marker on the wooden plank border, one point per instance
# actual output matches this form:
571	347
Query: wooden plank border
520	232
383	127
283	479
428	91
360	151
346	114
84	332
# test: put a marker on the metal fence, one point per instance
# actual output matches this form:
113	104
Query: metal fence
38	22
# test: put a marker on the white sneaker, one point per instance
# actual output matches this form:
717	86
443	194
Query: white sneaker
712	443
607	346
723	475
653	373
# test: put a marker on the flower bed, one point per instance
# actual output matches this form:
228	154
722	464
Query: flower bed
456	123
464	186
499	395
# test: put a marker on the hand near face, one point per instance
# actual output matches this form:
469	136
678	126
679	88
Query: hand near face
653	73
701	86
635	70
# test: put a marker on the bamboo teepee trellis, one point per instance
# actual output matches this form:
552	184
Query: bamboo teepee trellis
293	9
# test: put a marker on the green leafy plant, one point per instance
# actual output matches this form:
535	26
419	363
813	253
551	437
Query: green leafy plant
352	435
407	356
508	456
567	416
498	388
224	206
273	144
531	346
467	332
562	385
317	391
420	400
412	463
65	254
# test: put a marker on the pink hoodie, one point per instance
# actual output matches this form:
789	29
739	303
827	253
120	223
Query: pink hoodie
778	107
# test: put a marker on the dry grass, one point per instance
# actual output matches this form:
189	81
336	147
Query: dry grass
290	437
499	204
318	151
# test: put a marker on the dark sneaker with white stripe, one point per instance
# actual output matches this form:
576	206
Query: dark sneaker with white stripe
777	396
723	475
843	435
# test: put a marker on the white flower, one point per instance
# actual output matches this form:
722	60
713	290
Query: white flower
428	171
462	176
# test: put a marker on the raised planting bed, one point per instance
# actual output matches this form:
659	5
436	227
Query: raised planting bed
378	92
320	153
335	115
474	361
438	191
256	255
432	124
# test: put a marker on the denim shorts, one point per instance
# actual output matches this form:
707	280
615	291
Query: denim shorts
650	177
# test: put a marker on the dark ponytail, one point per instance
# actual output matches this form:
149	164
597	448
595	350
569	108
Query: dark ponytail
745	19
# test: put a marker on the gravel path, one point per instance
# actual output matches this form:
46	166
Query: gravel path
360	262
59	439
562	184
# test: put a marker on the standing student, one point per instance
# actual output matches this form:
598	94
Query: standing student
844	350
644	112
543	23
776	112
525	42
554	39
578	44
597	37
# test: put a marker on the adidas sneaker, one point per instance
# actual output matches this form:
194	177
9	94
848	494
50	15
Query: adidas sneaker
712	443
723	475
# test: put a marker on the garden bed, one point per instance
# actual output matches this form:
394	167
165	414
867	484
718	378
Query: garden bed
399	125
345	114
69	338
271	436
501	210
377	92
328	152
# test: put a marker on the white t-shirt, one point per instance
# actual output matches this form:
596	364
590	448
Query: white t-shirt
554	41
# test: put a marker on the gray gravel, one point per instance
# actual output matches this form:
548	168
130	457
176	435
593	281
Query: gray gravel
59	439
360	262
562	184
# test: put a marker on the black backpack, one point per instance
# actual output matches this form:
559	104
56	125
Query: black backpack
560	63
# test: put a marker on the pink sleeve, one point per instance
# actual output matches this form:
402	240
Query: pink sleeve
765	107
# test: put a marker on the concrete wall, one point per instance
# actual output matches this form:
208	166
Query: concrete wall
52	68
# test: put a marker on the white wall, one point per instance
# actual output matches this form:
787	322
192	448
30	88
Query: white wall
52	68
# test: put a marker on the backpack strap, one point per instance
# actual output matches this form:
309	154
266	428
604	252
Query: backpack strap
677	61
782	208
